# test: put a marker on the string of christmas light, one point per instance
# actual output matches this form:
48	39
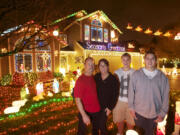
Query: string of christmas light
66	17
148	31
42	121
35	105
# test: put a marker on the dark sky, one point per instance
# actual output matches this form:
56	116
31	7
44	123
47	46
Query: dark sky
156	14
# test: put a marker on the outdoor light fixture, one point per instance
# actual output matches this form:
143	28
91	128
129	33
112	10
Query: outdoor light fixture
177	37
56	33
131	132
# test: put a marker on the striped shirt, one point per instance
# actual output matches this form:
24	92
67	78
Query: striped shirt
124	77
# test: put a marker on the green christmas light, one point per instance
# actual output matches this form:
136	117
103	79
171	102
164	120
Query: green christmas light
36	105
71	15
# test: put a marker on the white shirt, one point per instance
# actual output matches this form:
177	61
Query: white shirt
150	74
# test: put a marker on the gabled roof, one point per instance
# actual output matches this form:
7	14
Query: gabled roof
104	17
76	20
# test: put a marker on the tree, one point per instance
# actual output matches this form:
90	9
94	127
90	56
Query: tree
26	14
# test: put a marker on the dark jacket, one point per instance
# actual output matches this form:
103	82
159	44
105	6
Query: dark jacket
107	90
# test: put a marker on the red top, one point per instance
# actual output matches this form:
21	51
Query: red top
85	89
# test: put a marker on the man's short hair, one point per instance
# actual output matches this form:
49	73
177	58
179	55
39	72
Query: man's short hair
126	55
88	58
150	52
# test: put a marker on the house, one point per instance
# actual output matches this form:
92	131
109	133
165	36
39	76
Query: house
76	37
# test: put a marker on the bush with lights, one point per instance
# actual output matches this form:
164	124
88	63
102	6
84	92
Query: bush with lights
18	79
30	78
6	80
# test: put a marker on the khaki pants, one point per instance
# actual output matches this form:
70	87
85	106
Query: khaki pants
121	113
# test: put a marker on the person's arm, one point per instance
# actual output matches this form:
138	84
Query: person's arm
131	95
78	94
165	104
115	93
80	107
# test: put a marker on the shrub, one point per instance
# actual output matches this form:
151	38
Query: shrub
6	80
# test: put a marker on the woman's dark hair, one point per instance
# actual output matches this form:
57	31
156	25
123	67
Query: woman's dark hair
106	62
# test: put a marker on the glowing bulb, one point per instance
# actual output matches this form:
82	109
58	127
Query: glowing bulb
55	33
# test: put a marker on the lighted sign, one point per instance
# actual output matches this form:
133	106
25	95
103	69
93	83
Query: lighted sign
108	47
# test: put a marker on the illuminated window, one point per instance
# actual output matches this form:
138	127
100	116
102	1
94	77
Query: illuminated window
23	62
43	62
96	22
96	31
86	32
105	35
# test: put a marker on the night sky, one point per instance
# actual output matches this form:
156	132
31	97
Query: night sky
156	14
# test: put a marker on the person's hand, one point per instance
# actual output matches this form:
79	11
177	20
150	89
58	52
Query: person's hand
86	119
132	112
159	119
107	111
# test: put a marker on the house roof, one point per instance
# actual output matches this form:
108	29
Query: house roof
75	20
104	17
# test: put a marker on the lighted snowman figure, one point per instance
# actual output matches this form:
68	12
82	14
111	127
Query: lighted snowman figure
56	86
39	88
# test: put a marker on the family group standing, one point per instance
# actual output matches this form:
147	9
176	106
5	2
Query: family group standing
135	97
